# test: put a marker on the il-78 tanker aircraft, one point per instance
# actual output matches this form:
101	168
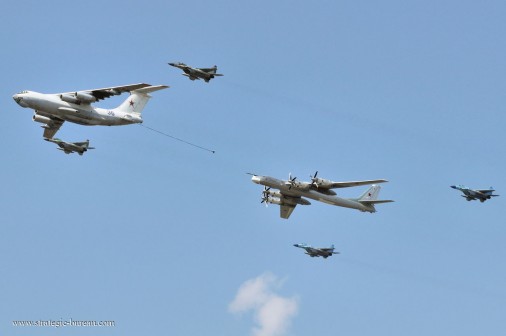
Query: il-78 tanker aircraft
292	192
52	110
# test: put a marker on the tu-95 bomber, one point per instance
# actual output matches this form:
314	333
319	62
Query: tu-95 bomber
293	192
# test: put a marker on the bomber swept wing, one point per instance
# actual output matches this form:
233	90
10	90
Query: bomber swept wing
354	183
328	184
286	210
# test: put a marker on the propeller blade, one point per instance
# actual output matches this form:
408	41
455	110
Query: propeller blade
314	180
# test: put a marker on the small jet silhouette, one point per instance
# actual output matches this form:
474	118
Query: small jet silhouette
71	147
197	73
324	252
475	194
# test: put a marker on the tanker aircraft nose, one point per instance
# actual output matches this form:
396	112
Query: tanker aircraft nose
19	98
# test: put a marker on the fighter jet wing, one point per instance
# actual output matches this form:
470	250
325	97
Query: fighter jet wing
210	71
469	198
108	92
484	191
286	210
53	127
354	183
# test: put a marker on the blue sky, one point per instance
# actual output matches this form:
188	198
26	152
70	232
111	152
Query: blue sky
165	238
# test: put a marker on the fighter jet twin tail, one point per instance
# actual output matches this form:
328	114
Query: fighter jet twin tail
475	194
197	73
324	252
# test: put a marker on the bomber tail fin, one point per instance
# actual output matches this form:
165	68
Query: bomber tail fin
138	99
371	196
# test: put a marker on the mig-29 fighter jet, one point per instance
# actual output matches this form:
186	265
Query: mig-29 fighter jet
71	147
52	110
475	194
197	73
324	252
292	192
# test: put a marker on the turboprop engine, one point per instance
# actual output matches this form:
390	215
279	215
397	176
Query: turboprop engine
320	183
323	183
286	200
292	183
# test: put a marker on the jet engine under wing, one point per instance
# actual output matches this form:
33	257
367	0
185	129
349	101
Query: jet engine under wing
98	94
286	210
354	183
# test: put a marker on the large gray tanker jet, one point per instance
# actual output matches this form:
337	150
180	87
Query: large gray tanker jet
52	110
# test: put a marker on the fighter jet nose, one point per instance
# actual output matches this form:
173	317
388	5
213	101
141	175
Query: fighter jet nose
173	64
454	187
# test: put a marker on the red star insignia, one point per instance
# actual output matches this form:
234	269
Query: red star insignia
132	103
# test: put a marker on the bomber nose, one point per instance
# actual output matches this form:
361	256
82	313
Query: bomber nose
256	179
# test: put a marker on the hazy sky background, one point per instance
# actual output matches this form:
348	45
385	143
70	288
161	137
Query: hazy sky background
164	238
